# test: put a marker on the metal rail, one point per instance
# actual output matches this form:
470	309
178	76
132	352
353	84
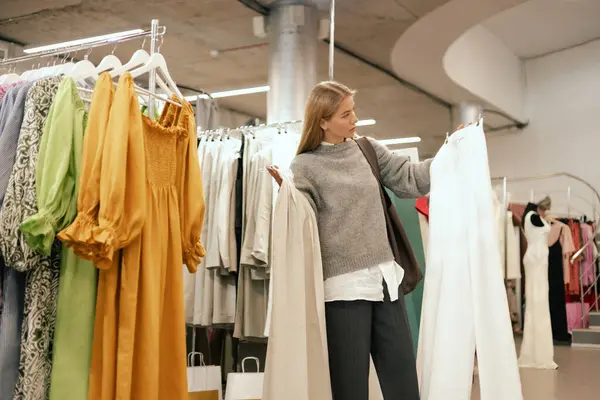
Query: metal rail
160	31
249	127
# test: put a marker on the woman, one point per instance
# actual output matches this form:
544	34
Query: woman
365	312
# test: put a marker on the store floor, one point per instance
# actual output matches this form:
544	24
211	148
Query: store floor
575	379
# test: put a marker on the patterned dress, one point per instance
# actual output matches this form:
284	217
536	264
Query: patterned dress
41	288
57	183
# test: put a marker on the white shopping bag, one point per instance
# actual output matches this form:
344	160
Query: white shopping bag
245	386
204	382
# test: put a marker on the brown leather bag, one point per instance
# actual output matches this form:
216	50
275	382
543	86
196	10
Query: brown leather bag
399	242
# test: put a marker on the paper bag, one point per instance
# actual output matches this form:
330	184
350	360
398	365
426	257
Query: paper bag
204	382
245	385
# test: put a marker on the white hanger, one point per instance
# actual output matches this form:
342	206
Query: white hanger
140	57
47	71
43	72
110	62
9	77
25	74
157	62
65	68
30	74
35	74
84	69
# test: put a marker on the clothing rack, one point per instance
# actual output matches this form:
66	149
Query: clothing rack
223	131
569	192
505	180
154	33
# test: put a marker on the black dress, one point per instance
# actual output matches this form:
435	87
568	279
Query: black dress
556	295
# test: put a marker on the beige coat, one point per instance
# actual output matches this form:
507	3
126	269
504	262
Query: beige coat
297	366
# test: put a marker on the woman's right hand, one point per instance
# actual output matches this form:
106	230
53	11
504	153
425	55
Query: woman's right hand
274	171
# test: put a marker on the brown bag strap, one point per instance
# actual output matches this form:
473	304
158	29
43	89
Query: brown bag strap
397	237
369	152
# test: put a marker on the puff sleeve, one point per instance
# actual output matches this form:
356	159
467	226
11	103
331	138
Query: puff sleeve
57	169
123	185
191	196
78	235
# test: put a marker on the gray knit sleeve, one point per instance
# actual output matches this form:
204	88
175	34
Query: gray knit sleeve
303	183
406	179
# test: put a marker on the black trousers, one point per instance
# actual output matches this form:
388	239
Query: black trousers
357	329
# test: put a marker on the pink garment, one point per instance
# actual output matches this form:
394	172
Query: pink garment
4	88
587	265
574	316
575	268
568	248
562	232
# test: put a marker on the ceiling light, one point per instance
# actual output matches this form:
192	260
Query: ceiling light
388	142
77	42
366	122
230	93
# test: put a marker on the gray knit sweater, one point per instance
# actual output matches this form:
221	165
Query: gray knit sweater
344	193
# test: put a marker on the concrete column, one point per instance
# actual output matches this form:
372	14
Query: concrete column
469	112
293	28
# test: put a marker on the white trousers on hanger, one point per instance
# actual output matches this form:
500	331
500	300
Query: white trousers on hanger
465	308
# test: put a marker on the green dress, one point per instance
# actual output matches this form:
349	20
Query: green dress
57	183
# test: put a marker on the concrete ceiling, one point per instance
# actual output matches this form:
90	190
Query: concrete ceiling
368	28
539	27
195	27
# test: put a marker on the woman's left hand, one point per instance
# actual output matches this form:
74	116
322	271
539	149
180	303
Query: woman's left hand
274	171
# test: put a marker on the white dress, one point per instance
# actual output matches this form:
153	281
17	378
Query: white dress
537	350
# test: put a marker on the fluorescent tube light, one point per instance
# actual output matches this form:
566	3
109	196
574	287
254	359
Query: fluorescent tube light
82	41
388	142
231	93
366	122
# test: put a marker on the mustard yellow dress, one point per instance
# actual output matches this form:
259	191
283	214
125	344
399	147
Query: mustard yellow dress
148	222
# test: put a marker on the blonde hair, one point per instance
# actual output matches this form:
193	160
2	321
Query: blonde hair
545	204
324	100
